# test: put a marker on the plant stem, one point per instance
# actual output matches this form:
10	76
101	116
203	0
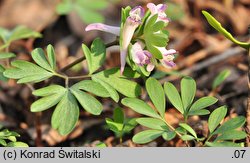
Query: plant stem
171	127
83	57
79	77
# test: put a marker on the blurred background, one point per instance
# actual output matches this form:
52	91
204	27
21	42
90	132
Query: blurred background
203	54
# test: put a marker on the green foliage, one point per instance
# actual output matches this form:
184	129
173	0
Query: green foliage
112	81
216	25
140	107
223	75
120	125
226	132
28	72
66	114
184	103
175	11
156	94
198	107
8	139
189	129
2	77
7	55
216	117
20	32
51	95
147	136
96	55
88	102
156	120
188	90
173	96
86	9
154	36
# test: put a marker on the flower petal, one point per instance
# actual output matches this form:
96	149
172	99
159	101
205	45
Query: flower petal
150	67
103	27
152	8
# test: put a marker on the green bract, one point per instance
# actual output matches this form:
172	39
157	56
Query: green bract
214	23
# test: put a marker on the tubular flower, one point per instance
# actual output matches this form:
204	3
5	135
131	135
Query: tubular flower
141	57
132	22
160	10
168	57
103	27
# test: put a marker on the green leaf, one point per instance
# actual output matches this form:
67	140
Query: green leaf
216	117
175	11
231	124
199	112
201	104
22	32
173	96
49	90
223	144
153	123
140	106
93	4
51	96
188	128
66	114
2	77
64	7
129	124
101	145
223	75
118	115
88	102
169	135
12	138
3	142
51	57
39	57
17	144
114	126
154	36
27	72
87	15
7	55
112	92
187	137
147	136
188	90
232	135
96	56
216	25
120	83
92	87
156	94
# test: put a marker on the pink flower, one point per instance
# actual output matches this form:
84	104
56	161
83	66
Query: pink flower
103	27
141	57
132	22
168	57
160	10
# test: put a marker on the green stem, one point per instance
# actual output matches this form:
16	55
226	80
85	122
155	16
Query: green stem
171	127
79	77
